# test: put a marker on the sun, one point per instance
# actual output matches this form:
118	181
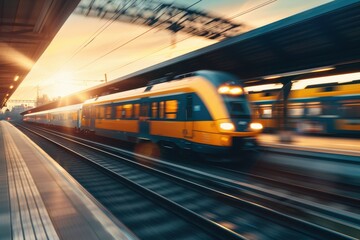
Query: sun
63	84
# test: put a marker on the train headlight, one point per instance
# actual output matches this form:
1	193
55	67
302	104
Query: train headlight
231	90
256	126
236	91
224	89
227	126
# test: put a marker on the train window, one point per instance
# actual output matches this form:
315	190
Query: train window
161	109
108	112
171	107
144	110
154	110
85	112
351	109
92	112
100	112
128	109
313	109
328	108
136	110
296	110
118	111
265	111
237	109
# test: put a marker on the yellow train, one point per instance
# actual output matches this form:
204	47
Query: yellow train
327	108
203	111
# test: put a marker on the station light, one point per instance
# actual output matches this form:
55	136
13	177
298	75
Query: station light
342	78
11	87
16	78
264	87
300	72
272	77
324	69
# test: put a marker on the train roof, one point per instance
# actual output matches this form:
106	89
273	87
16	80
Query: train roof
176	82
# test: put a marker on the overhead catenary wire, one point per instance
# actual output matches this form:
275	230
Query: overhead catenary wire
100	30
116	16
169	45
134	38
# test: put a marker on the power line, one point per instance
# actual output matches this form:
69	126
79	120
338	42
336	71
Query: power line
163	48
133	39
99	31
116	16
253	9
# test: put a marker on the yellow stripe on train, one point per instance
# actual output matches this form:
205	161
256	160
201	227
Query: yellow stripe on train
348	124
204	132
118	125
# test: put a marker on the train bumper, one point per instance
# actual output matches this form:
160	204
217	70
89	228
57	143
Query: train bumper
238	144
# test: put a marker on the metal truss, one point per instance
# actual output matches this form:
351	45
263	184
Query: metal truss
161	15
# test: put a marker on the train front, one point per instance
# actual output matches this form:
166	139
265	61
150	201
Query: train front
233	115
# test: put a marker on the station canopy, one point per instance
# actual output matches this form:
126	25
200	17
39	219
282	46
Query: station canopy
26	29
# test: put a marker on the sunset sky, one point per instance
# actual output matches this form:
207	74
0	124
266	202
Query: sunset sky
62	69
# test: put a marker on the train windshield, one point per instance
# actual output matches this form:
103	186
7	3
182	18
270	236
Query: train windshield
238	107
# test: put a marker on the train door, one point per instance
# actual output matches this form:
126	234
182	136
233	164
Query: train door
144	119
79	116
189	121
92	118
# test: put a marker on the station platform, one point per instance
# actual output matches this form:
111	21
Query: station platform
40	200
334	145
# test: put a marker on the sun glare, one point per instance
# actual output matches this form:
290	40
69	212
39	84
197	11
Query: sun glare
62	84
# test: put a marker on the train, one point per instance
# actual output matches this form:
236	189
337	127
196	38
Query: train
203	111
330	109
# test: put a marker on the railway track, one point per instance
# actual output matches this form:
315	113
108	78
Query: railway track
147	214
221	203
323	165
